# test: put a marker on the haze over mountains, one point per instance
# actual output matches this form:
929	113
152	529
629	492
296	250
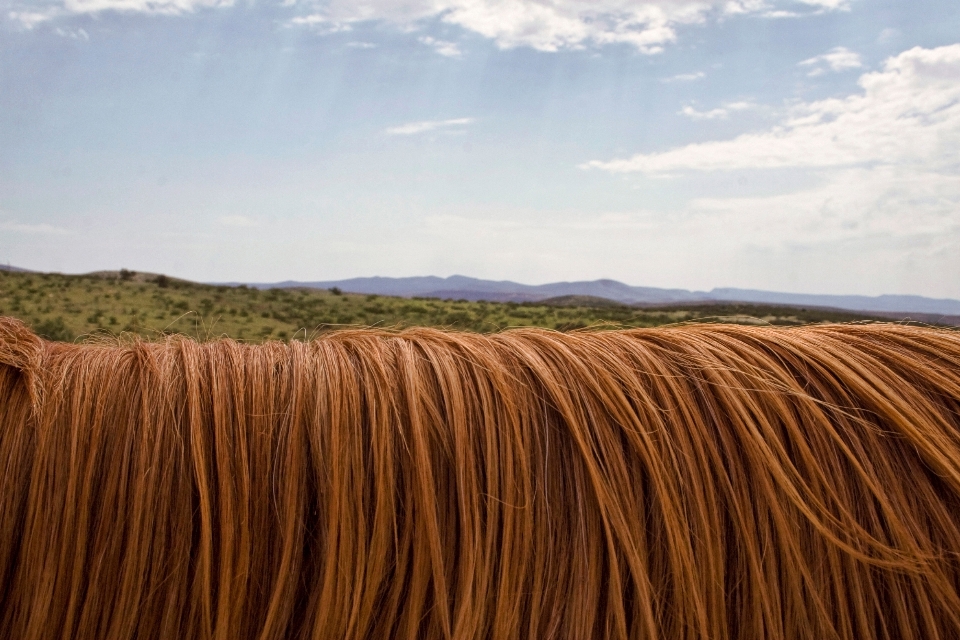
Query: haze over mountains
506	291
466	288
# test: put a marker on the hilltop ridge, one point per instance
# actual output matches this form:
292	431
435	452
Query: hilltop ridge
467	288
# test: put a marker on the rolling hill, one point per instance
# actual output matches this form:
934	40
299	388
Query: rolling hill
110	304
463	287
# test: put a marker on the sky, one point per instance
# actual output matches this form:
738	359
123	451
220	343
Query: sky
806	146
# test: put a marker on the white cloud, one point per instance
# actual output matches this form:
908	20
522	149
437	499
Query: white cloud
713	114
908	113
545	25
718	113
872	193
75	34
685	77
33	229
310	20
780	13
735	7
850	203
552	25
30	19
161	7
443	47
886	229
819	8
237	221
837	59
828	5
767	10
574	24
413	128
320	23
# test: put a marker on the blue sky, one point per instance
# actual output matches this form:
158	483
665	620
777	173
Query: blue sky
808	146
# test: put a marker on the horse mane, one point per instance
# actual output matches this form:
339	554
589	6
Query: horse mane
687	482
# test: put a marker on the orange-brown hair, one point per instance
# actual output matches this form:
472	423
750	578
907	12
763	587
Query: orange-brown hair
676	483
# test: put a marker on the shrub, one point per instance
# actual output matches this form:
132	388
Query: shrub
54	329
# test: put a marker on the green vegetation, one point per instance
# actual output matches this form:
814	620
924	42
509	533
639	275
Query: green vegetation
64	307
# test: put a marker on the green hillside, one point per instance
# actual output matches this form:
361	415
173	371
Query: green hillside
68	307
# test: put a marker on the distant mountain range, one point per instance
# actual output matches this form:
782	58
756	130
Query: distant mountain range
462	287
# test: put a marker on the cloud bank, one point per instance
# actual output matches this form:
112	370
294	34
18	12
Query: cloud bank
552	25
544	25
882	168
907	114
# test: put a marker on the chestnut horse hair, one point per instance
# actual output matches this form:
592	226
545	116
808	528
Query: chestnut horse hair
678	483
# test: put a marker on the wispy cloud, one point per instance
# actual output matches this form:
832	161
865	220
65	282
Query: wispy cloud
718	113
160	7
837	59
237	221
30	19
443	47
646	25
74	34
888	35
685	77
819	8
907	113
413	128
828	5
872	187
766	9
320	23
777	14
713	114
737	7
42	228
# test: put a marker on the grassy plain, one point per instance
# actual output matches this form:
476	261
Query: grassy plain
72	307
